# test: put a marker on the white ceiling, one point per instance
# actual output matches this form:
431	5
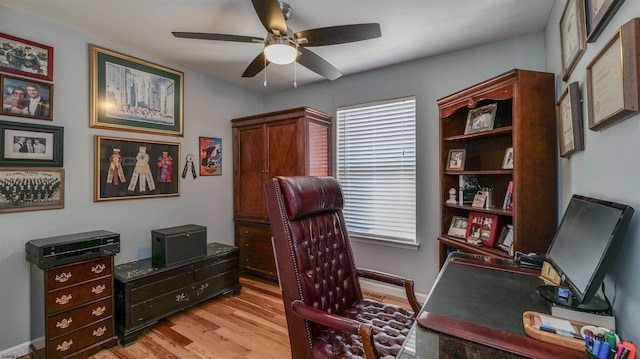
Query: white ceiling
411	29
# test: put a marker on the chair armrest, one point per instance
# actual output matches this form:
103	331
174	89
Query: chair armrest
365	331
395	280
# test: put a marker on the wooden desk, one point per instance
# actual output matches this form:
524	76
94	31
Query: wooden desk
474	310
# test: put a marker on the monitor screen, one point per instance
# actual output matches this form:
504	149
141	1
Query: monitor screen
586	243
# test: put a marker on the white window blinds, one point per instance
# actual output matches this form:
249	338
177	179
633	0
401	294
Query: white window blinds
376	165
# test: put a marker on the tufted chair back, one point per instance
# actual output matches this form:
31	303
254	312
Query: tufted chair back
316	266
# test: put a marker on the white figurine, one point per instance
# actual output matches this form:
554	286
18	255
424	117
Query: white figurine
452	196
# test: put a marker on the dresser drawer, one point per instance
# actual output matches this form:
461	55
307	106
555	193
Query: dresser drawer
67	322
216	285
256	245
162	286
161	306
216	268
69	275
254	230
80	339
67	298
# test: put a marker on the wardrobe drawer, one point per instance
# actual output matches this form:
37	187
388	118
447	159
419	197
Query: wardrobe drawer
73	274
80	339
67	322
67	298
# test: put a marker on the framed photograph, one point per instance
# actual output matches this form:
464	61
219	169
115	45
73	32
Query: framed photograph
27	145
128	168
26	98
613	79
569	121
455	160
31	189
572	36
479	200
505	240
599	13
507	162
458	227
210	156
482	227
26	58
131	94
481	119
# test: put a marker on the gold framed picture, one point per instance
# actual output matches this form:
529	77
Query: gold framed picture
481	119
455	160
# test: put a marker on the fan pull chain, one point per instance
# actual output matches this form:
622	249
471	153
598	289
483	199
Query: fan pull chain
265	71
295	75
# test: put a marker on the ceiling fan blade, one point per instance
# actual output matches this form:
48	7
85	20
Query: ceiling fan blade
258	64
334	35
271	16
221	37
317	64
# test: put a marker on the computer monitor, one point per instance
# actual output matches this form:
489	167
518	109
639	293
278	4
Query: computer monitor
584	249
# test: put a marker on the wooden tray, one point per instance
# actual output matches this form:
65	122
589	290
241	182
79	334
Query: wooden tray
532	320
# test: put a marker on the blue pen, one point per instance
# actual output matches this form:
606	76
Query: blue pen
596	347
604	351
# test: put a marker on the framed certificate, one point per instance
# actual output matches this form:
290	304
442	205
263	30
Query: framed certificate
599	13
613	77
569	120
572	36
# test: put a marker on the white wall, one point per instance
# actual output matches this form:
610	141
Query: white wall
606	169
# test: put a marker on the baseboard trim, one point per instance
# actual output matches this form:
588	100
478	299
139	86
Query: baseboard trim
388	289
15	352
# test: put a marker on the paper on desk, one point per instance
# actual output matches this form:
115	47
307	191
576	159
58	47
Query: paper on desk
556	323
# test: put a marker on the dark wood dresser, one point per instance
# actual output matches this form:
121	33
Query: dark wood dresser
145	294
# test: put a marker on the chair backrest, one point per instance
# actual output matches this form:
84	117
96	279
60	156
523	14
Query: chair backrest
312	250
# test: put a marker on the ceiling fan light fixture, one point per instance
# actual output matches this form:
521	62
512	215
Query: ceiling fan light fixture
280	51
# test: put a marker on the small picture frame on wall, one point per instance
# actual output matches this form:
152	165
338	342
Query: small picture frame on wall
455	160
210	156
598	14
481	119
26	58
31	189
572	36
27	145
569	121
507	162
26	98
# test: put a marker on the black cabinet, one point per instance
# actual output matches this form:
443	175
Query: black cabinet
145	294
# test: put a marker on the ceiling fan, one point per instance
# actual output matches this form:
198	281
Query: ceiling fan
282	46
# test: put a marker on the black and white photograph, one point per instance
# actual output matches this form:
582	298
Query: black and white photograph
26	98
31	189
24	57
30	145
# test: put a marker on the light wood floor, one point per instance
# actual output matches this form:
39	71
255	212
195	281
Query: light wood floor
251	325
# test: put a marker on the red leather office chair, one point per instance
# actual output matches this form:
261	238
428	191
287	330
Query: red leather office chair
326	313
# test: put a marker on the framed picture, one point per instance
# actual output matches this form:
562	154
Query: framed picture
613	79
131	94
210	156
505	240
569	121
26	98
128	168
31	189
572	36
26	58
599	13
27	145
507	162
455	160
479	200
482	227
458	227
481	119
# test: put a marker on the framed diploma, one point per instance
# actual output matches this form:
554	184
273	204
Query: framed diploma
599	13
613	77
572	36
569	118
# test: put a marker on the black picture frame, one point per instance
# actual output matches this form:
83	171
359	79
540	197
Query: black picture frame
12	105
126	168
14	152
599	17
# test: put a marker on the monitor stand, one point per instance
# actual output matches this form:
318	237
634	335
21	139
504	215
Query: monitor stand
596	305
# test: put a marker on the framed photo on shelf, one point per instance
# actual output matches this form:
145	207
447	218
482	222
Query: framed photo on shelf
572	36
26	98
31	189
155	107
129	168
27	145
479	200
599	13
455	160
210	156
507	162
26	58
481	119
458	227
482	227
569	121
612	81
505	240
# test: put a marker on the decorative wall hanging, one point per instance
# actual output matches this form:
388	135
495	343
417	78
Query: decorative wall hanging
572	36
569	119
31	189
23	144
27	58
599	13
26	98
210	156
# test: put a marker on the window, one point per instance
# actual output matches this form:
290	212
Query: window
376	165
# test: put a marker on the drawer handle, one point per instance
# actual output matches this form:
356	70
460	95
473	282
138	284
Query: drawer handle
64	299
64	323
246	232
100	331
63	277
98	289
182	298
65	345
99	311
202	288
98	268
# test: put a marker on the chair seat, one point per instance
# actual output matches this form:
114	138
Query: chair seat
391	325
